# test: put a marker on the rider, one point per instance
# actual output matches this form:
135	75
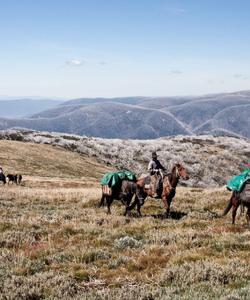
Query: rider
154	167
1	169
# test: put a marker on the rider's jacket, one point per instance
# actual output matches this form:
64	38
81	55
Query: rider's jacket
154	166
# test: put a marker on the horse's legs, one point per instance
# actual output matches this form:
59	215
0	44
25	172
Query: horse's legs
234	210
102	201
229	205
248	216
127	202
109	202
167	206
138	205
137	202
127	211
139	209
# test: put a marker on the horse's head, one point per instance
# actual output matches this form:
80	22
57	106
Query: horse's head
181	171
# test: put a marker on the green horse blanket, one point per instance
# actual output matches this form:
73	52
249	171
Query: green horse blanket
113	178
237	182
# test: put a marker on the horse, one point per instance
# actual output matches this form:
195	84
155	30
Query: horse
237	198
167	193
14	178
124	191
2	178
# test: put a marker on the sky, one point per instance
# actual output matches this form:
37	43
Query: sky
115	48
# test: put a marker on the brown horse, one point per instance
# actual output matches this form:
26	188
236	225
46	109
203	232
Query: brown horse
238	198
169	184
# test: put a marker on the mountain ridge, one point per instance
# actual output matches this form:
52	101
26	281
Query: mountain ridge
19	108
144	117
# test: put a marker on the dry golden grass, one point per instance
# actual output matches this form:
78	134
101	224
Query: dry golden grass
55	243
46	160
56	240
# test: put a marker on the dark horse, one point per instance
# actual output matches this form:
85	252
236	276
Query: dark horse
237	198
124	192
2	178
169	184
14	178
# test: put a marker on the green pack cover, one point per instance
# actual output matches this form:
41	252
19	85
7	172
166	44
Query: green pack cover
237	182
113	178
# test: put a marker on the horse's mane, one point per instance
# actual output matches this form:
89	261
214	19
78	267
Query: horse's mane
173	169
176	165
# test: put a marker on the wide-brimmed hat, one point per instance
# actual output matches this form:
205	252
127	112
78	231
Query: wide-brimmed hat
154	155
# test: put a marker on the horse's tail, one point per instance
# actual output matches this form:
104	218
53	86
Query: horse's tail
103	200
229	206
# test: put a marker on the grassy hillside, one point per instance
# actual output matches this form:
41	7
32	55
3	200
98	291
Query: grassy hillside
55	243
211	161
46	160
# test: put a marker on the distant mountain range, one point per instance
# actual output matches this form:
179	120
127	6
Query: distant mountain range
22	107
144	117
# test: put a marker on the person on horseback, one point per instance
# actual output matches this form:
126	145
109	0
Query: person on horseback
154	168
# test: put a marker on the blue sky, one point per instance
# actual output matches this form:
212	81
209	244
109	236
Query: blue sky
108	48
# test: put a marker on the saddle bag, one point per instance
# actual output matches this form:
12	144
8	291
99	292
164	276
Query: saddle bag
245	194
106	190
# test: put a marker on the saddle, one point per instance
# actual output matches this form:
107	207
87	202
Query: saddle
154	184
245	194
148	182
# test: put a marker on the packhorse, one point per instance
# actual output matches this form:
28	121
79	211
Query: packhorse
123	191
167	193
239	198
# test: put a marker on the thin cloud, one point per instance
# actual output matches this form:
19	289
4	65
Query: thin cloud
176	72
102	63
211	82
241	76
75	62
174	9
